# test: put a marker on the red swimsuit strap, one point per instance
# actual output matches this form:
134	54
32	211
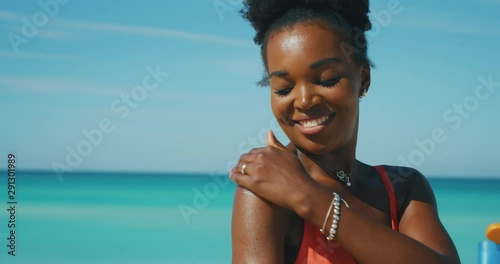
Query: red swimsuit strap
392	195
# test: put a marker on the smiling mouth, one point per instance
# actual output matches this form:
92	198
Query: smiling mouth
315	122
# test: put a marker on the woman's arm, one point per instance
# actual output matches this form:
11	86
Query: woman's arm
274	173
421	237
258	229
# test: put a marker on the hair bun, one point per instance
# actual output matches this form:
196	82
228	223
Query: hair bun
262	13
355	12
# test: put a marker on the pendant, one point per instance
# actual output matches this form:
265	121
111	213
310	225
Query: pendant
341	175
344	177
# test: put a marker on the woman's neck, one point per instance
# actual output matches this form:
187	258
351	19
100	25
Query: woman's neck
323	168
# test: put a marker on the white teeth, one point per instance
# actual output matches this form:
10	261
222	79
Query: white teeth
313	123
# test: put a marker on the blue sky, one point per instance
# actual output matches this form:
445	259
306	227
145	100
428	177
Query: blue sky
69	73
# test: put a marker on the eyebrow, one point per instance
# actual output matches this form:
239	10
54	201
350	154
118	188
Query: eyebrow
314	65
322	62
279	73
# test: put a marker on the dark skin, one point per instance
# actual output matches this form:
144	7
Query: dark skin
311	77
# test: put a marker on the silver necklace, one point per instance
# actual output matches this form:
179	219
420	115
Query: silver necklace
344	177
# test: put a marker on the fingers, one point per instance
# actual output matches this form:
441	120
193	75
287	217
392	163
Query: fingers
242	167
271	140
238	177
252	155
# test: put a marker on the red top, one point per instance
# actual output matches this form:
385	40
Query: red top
315	248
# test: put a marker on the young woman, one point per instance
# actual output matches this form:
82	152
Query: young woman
312	201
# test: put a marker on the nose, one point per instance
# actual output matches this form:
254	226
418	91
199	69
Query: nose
307	97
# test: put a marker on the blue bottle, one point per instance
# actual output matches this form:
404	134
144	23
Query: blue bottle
489	253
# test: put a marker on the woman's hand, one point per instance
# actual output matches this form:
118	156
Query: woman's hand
274	173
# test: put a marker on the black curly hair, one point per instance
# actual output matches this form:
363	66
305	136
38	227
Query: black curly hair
348	18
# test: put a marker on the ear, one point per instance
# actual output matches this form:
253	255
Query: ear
365	78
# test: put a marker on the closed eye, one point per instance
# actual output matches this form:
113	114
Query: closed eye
330	82
283	92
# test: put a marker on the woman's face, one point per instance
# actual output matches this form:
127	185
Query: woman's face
315	87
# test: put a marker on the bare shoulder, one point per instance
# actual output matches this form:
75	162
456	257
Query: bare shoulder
258	229
419	217
410	185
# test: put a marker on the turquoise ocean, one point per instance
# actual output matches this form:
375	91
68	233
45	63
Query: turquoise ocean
174	217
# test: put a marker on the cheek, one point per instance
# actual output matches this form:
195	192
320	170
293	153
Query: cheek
279	115
344	96
282	108
278	106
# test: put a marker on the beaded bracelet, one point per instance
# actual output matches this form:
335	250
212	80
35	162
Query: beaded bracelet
336	215
322	230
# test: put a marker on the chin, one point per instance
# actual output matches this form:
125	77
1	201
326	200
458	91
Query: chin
314	147
325	144
317	149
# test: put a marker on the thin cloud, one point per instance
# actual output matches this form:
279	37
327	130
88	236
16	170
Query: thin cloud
4	15
50	85
444	25
148	31
72	24
36	55
46	33
57	35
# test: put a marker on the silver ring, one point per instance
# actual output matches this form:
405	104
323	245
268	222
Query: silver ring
243	169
